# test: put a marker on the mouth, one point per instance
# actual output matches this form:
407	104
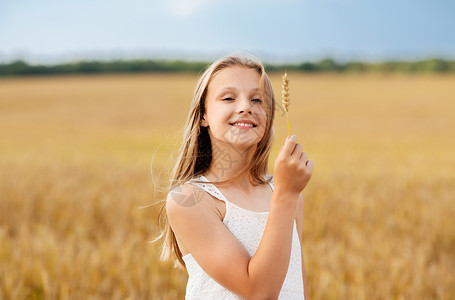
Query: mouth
243	124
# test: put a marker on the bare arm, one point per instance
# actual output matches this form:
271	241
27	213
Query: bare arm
222	256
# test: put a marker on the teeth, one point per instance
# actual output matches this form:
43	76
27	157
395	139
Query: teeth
243	124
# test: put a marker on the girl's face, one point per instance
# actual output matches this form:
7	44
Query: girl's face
235	112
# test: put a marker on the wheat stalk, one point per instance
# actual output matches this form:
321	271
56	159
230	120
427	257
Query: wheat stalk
285	97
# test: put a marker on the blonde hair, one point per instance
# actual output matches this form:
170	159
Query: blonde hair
195	153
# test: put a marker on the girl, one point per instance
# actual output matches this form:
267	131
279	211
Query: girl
236	230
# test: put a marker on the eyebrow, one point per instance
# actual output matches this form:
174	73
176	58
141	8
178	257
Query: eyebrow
229	88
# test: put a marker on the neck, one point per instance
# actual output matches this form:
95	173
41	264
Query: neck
228	161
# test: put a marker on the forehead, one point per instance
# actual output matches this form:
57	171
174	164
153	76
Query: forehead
237	77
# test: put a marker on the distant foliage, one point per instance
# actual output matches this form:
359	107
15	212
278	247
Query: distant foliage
20	67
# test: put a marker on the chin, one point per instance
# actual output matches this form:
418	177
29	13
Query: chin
244	146
240	140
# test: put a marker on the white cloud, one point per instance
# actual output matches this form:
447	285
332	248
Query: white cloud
184	8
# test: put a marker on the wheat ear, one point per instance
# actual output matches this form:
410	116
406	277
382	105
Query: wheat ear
285	98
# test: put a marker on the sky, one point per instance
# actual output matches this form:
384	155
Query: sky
51	31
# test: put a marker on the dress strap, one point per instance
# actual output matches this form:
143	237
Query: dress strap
270	180
215	192
208	187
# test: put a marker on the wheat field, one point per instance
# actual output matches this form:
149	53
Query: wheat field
82	158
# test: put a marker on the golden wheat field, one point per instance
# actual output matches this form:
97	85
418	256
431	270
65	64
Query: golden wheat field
76	181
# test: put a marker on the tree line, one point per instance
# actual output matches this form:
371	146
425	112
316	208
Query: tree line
22	68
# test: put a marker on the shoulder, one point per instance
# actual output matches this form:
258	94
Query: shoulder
189	201
189	211
186	195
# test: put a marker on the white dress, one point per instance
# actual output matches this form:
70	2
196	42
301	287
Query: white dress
248	227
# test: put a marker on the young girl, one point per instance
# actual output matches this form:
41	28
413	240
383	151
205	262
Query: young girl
236	230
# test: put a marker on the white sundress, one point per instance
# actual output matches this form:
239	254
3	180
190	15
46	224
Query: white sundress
248	227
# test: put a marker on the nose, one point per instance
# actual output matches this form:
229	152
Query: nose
244	106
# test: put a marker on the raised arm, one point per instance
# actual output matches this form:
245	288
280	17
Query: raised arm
199	228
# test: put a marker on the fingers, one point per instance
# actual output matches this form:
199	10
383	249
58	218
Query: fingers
303	156
289	145
310	166
294	149
297	150
304	163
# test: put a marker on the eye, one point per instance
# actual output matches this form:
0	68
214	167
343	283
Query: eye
257	100
228	99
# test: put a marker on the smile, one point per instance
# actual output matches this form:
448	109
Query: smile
240	124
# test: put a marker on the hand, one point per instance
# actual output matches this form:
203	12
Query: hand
292	169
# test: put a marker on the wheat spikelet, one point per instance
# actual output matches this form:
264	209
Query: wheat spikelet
285	98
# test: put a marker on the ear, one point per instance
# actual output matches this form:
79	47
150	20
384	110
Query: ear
203	122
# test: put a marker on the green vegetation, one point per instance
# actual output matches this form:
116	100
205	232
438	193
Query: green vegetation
20	67
433	65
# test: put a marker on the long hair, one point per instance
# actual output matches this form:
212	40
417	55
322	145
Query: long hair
195	153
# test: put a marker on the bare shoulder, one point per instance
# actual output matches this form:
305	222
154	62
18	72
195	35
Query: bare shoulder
189	209
190	199
186	195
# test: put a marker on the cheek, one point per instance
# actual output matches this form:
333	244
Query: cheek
261	116
220	113
217	116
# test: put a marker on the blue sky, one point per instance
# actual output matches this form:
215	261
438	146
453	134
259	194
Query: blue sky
280	31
